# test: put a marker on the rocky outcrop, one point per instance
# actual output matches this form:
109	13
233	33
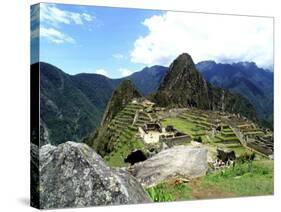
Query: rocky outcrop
34	175
185	161
44	134
73	175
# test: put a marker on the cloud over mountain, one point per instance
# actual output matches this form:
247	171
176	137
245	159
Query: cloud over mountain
222	38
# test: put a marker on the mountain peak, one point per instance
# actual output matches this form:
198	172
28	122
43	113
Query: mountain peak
123	94
126	84
246	64
182	73
184	86
184	55
184	58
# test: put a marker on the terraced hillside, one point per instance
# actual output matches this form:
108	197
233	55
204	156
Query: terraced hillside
122	136
215	130
228	132
223	130
227	135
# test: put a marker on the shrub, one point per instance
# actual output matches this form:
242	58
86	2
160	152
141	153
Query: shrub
159	193
198	139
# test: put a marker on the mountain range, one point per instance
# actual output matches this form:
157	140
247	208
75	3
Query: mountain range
72	106
184	86
245	78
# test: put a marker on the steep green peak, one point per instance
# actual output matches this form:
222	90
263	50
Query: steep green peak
182	74
184	60
122	96
184	57
126	91
126	85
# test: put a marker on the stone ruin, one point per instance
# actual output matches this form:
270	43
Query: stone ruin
152	127
154	133
261	144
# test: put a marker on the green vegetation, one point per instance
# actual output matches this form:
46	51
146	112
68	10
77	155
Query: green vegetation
247	84
169	191
117	125
245	179
116	157
67	111
184	126
121	97
239	150
118	139
179	92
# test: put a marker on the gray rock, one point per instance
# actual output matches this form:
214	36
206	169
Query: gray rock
73	175
185	161
34	175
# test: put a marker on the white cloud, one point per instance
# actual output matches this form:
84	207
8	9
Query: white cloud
118	56
102	72
87	17
205	37
125	72
51	17
55	36
51	14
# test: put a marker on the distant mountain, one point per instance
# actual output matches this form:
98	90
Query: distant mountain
245	78
72	106
148	79
184	86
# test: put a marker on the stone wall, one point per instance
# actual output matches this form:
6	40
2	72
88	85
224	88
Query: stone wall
178	140
260	148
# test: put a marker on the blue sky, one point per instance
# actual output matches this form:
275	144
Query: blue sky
101	44
116	41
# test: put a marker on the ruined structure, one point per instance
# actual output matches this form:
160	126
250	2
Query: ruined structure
263	145
154	133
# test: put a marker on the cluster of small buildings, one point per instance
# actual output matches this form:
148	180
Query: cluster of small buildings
153	133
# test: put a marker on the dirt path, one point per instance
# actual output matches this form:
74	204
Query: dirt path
200	191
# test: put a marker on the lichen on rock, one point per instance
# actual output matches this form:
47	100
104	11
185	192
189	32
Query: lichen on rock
185	161
74	175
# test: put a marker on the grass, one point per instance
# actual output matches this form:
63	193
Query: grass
254	133
169	191
229	133
222	138
239	150
124	147
248	179
184	126
227	130
245	179
191	128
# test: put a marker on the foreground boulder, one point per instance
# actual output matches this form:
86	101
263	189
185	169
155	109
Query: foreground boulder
185	161
73	175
